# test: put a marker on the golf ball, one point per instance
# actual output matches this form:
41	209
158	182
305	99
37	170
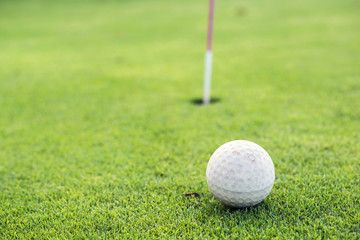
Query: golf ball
240	174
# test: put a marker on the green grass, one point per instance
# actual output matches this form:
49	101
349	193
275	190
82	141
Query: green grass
99	138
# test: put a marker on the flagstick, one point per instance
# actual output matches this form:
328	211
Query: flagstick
208	55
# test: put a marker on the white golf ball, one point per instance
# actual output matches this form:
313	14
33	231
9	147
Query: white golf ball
240	174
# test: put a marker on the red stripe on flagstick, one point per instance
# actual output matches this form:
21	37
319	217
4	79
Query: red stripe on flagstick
210	25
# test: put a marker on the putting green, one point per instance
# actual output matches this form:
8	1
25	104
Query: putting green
99	136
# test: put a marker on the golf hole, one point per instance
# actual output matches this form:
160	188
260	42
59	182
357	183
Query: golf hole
199	101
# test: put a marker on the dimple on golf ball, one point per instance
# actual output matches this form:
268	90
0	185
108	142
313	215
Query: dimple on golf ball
240	174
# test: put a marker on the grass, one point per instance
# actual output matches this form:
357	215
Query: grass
99	137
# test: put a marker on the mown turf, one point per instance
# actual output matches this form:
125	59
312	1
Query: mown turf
99	137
